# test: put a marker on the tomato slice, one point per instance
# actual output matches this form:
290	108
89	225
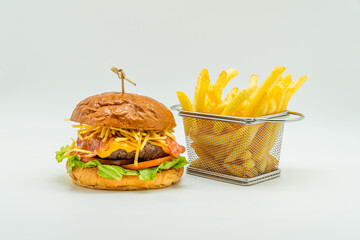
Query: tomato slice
147	164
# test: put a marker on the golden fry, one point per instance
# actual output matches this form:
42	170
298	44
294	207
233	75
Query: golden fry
213	95
184	101
276	93
236	170
267	135
261	91
208	105
239	99
248	164
200	90
220	85
206	160
231	94
245	155
271	106
272	163
272	92
290	91
262	109
223	80
220	108
253	80
230	74
223	139
218	127
236	149
252	172
206	139
249	136
286	80
298	83
240	111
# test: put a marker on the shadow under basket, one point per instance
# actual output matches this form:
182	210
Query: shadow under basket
237	150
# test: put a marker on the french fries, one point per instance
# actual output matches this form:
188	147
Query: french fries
184	101
262	90
290	91
266	135
230	148
200	90
239	99
231	94
253	80
206	161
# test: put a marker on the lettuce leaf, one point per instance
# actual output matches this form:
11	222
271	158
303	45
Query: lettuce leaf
131	172
111	172
117	172
74	161
148	173
181	162
60	155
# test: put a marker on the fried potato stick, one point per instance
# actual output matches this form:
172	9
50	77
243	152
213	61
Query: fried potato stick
261	91
200	90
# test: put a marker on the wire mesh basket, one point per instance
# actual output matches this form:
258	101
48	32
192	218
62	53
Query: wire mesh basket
237	150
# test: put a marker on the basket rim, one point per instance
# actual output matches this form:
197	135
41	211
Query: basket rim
286	116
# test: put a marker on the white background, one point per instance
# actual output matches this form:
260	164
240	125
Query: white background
55	53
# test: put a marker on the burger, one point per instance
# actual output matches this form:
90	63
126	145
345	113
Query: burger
124	141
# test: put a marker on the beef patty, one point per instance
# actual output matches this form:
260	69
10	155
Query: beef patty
149	152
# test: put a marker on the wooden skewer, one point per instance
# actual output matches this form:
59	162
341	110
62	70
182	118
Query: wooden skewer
121	74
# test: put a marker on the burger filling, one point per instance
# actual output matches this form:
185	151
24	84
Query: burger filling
147	153
129	152
116	144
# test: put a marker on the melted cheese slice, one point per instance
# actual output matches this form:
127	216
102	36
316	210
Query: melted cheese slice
163	147
114	146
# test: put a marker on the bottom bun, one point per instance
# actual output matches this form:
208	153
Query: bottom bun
89	178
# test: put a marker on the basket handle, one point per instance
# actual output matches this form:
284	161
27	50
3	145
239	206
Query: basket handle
176	107
287	118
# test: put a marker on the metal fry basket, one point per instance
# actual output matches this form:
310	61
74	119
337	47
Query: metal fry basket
236	150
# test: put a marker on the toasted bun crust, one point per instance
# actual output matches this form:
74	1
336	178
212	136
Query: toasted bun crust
128	110
89	178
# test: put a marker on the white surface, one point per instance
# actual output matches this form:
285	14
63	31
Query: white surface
52	55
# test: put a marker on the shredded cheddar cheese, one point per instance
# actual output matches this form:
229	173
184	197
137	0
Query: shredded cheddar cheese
129	140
